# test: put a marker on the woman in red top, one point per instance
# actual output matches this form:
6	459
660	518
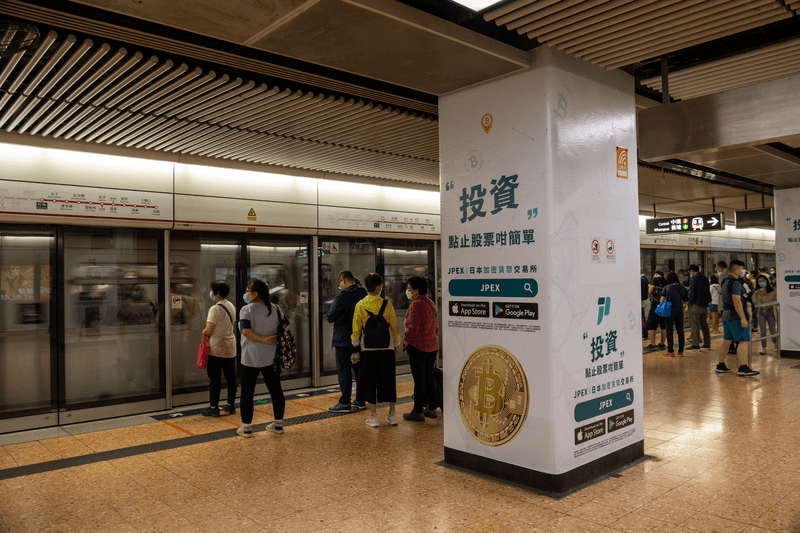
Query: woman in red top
421	339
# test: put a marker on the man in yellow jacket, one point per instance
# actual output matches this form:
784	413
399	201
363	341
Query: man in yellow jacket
378	348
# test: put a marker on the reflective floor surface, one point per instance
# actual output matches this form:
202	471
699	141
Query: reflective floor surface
722	455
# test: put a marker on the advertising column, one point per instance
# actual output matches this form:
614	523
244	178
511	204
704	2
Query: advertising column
787	266
540	253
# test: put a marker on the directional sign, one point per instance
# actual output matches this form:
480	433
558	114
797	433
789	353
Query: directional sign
686	224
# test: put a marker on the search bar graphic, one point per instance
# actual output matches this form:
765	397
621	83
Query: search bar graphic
603	404
494	288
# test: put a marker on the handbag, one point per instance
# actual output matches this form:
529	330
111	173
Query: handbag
286	349
664	309
203	352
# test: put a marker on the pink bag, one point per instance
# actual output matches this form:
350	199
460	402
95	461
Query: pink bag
203	353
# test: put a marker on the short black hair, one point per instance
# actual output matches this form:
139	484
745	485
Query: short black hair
672	277
221	287
345	275
418	284
694	268
736	262
659	273
722	264
714	278
372	281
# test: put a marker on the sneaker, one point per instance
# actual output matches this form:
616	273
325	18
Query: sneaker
271	427
211	411
242	433
680	354
413	416
722	369
669	354
692	347
762	351
661	346
340	408
745	370
355	406
430	413
650	348
706	346
392	419
229	410
372	421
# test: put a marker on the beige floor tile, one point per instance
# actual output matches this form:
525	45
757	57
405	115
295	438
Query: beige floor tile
64	447
29	453
600	514
663	511
707	523
572	524
636	523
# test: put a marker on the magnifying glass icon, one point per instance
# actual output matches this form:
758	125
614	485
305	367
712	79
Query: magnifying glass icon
527	287
628	396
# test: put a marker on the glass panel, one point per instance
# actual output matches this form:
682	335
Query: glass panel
283	265
766	260
401	260
195	261
111	303
337	254
25	354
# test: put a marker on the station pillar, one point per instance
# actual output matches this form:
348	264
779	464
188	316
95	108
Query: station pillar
787	267
540	256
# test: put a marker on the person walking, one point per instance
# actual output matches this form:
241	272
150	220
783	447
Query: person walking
734	319
765	293
675	293
699	299
421	340
377	362
258	323
341	315
219	329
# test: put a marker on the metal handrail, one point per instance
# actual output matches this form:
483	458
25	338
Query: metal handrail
773	336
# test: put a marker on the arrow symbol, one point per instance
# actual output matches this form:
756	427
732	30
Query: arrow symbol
714	221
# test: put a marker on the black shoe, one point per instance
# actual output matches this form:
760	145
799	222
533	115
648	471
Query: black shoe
693	347
722	369
706	346
355	406
745	370
229	410
430	413
661	346
211	411
414	416
650	348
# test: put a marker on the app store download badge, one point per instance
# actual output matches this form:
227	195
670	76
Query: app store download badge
470	309
519	310
620	421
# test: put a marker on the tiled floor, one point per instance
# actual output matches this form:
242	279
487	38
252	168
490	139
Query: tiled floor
722	456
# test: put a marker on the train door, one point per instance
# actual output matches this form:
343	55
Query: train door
358	255
28	356
399	260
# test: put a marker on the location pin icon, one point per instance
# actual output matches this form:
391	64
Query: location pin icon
486	122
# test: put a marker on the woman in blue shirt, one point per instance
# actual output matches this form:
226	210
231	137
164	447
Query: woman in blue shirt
258	322
674	293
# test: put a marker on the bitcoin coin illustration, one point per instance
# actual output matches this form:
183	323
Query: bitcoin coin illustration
493	395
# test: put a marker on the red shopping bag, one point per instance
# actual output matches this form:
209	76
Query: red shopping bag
203	353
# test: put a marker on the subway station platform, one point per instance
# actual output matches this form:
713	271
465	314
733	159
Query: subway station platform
721	456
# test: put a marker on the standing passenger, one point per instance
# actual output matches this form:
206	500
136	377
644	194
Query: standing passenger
219	327
675	293
653	320
765	294
734	319
258	322
713	309
699	298
377	364
341	315
421	339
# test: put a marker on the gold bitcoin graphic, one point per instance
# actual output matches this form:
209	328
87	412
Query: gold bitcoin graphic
493	395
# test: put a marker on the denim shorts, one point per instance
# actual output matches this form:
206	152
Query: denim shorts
733	331
713	308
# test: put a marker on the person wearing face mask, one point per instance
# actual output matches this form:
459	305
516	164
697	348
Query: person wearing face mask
219	328
421	340
734	319
340	314
764	294
699	299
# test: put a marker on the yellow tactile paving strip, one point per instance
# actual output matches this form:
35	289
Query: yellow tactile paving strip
723	456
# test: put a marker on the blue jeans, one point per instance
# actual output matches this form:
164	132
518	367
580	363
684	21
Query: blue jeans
422	365
346	370
766	316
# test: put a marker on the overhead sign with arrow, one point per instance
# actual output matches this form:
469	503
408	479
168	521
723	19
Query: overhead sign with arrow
686	224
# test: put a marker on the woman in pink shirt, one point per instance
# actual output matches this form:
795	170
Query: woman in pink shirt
421	339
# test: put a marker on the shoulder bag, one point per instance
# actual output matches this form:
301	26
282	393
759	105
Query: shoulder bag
286	349
664	308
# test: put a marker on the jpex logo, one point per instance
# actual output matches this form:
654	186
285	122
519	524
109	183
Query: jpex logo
604	304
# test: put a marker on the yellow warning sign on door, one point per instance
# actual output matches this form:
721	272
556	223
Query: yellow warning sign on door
251	215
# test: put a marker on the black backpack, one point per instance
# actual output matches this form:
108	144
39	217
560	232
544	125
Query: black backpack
376	334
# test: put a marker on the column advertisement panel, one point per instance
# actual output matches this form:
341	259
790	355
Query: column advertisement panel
787	265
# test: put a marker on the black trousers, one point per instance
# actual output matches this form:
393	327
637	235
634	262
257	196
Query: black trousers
377	378
422	365
273	381
216	367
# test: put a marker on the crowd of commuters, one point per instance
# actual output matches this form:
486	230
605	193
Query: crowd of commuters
360	315
733	295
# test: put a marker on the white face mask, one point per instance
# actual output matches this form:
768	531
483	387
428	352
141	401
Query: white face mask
409	294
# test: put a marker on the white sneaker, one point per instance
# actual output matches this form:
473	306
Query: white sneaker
275	429
242	433
391	419
762	351
372	421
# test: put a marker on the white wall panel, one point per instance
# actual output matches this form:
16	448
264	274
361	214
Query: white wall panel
380	197
338	220
253	216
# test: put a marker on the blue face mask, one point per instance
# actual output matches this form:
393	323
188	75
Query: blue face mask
211	294
762	283
136	295
774	282
245	299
